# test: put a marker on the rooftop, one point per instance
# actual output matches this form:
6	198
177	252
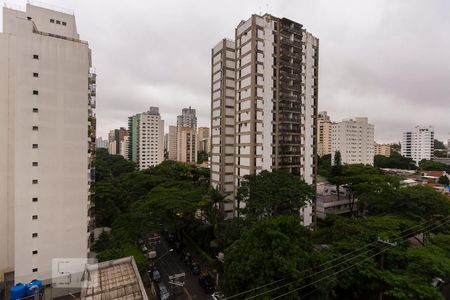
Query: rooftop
114	279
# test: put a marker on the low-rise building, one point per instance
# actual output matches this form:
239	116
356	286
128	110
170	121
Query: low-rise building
383	149
114	279
327	201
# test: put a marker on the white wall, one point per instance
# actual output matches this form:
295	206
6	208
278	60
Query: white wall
62	138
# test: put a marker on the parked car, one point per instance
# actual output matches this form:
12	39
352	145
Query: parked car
207	283
151	254
187	258
163	293
195	268
155	275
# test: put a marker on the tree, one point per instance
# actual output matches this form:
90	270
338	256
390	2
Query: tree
394	161
202	156
438	144
336	173
417	203
429	165
271	249
273	193
444	180
324	165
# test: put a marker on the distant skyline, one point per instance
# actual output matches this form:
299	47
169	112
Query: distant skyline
385	60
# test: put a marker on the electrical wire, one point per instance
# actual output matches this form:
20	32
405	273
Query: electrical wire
349	267
346	261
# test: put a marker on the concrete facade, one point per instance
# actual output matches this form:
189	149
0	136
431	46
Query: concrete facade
187	140
275	101
223	121
382	149
47	123
172	143
354	139
418	144
324	134
150	139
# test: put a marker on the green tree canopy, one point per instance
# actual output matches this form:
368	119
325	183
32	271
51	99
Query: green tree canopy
273	193
444	180
272	249
394	161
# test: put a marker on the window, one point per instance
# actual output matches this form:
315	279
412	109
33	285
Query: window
35	163
35	92
35	56
64	23
58	22
52	21
35	270
34	217
35	235
35	252
35	146
35	199
35	181
35	74
35	128
35	110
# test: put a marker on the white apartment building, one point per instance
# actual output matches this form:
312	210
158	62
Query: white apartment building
47	125
354	139
275	113
418	144
324	133
151	139
223	121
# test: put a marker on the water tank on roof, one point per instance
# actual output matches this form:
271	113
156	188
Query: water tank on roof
34	282
18	291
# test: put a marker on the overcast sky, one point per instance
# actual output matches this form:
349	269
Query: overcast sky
387	60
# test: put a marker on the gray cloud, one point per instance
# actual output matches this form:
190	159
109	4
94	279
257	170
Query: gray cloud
387	60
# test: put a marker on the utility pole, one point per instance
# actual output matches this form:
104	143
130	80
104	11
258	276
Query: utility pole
381	261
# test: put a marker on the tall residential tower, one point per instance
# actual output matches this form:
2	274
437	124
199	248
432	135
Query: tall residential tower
354	139
47	125
418	144
275	99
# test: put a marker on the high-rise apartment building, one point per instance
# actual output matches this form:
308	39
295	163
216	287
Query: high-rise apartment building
275	101
324	132
354	139
150	139
187	151
101	143
382	149
47	123
172	143
203	137
133	137
117	141
223	125
188	118
418	144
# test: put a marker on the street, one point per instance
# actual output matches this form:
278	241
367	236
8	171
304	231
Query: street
169	264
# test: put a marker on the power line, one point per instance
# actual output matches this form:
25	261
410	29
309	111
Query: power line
327	262
349	267
343	262
330	261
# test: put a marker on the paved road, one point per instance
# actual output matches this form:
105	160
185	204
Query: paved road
171	264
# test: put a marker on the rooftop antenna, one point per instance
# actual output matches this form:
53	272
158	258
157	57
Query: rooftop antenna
260	12
267	8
